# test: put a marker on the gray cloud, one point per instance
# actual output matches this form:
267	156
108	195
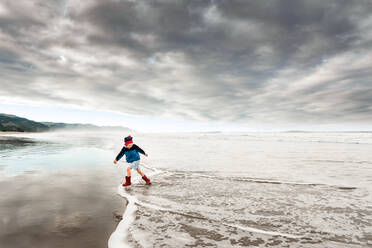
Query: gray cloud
237	61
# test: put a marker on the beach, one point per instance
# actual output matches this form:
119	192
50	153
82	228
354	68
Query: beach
74	209
7	133
251	119
209	189
59	207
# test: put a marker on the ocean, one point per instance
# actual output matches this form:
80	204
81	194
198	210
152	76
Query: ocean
293	189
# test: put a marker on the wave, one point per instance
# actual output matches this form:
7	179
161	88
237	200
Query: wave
119	236
272	181
338	161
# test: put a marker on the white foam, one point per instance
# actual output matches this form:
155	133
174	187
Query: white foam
119	238
257	180
255	230
244	228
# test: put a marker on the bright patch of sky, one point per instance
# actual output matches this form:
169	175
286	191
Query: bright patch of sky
153	124
102	118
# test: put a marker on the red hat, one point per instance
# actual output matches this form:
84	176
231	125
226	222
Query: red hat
128	140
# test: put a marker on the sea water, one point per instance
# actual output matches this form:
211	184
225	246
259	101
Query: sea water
223	190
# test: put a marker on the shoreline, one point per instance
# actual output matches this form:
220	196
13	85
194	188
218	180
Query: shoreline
187	133
5	132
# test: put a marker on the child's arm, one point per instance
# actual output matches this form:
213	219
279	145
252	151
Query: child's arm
120	155
140	150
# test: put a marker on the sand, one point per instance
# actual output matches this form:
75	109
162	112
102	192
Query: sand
5	133
269	190
73	209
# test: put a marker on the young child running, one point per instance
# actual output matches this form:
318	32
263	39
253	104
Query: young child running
131	151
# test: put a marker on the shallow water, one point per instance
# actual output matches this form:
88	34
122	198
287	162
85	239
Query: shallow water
224	190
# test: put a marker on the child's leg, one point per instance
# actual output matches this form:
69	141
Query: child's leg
140	172
129	172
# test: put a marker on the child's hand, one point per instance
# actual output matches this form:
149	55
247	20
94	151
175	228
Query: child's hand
115	162
146	155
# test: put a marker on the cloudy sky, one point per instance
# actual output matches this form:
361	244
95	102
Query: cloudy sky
189	65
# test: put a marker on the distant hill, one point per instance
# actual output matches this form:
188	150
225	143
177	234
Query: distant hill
19	124
88	127
9	123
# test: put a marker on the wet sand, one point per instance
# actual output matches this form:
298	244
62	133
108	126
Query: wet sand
285	190
5	133
62	209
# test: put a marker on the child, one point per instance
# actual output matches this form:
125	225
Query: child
133	158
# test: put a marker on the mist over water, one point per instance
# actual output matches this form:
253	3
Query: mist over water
219	190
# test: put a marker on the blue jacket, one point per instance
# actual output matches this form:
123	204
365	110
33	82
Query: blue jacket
131	154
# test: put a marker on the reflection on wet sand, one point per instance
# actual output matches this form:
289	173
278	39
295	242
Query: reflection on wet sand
73	209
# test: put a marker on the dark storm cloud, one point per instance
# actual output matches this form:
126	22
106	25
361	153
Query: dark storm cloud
247	61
